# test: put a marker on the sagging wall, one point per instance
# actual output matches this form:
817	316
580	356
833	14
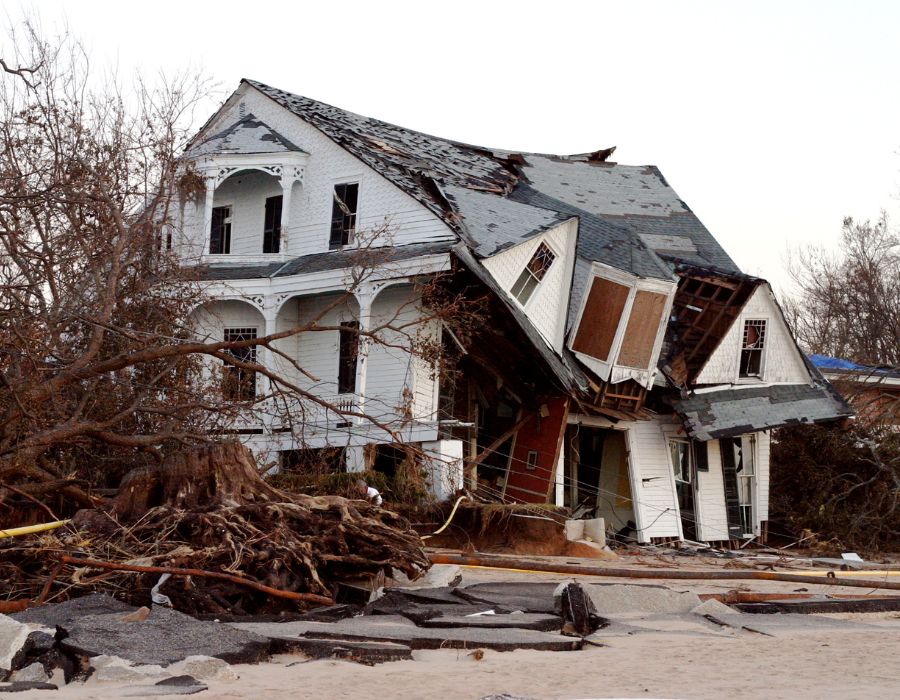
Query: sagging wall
535	457
653	482
328	164
782	363
548	304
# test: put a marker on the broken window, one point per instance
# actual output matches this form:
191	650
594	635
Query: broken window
347	352
272	225
239	383
533	273
343	214
220	231
746	472
752	347
680	454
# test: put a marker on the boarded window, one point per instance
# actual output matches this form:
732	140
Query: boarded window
752	347
533	273
600	319
349	342
220	231
343	214
239	383
272	225
643	326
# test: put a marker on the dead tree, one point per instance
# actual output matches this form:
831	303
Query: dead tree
100	368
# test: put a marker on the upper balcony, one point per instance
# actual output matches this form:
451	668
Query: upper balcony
251	174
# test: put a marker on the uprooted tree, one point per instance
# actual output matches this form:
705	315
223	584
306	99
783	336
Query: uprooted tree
842	481
101	370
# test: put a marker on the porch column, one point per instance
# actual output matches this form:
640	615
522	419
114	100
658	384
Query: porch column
287	187
364	296
266	358
207	212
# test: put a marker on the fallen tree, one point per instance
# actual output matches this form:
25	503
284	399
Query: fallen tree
251	547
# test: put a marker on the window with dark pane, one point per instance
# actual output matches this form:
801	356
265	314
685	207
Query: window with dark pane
533	273
272	225
347	353
239	383
752	347
343	214
220	231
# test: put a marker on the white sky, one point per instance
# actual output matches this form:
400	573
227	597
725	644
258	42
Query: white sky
772	120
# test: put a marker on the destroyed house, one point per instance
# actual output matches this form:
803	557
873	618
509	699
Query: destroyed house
622	365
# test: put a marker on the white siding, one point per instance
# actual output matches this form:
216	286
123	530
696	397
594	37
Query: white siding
782	361
653	483
246	194
548	304
329	164
763	444
713	525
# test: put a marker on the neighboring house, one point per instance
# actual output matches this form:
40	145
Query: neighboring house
625	365
873	391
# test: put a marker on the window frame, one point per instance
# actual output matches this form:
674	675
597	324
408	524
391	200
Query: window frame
243	387
763	351
272	236
527	274
348	235
227	225
348	364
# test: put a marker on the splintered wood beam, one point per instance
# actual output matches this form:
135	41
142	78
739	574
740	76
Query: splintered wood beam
712	325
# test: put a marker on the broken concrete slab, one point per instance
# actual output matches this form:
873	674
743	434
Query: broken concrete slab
13	640
775	625
389	628
524	596
420	613
32	673
115	669
438	576
204	668
525	621
22	686
65	613
177	685
368	653
612	599
94	625
712	607
578	613
166	636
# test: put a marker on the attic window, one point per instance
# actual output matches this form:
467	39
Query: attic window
752	348
343	214
533	273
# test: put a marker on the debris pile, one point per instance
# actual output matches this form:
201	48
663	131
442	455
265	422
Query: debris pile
235	544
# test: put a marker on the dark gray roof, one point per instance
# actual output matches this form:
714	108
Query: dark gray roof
620	206
732	412
249	135
493	223
319	262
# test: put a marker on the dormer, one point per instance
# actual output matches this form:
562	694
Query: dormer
251	172
619	330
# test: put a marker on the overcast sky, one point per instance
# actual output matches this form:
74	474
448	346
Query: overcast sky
772	120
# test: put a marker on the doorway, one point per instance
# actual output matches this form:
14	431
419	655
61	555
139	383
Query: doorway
598	483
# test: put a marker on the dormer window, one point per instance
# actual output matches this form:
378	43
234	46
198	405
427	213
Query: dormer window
220	231
533	273
753	346
272	225
343	214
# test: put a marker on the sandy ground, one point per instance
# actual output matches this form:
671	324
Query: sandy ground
844	664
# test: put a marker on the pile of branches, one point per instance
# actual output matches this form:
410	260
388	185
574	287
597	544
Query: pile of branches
241	545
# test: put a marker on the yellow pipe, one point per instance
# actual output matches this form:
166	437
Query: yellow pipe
857	572
447	524
32	529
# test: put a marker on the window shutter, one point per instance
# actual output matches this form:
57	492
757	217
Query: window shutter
272	225
732	501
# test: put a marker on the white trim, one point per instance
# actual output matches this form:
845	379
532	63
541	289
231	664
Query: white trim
763	365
